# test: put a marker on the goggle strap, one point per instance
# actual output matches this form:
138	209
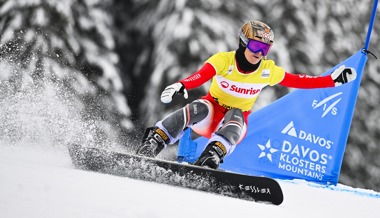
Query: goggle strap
243	38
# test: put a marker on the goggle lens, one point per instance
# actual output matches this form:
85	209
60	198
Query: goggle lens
257	46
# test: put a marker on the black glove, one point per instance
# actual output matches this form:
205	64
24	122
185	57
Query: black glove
343	75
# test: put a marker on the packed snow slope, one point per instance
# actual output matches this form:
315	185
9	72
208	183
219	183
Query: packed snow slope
39	182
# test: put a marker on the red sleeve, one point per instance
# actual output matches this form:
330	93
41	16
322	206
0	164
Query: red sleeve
198	78
306	82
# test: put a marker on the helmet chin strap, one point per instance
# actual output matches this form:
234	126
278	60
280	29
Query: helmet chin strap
242	62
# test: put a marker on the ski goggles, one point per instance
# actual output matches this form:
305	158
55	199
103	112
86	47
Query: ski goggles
257	46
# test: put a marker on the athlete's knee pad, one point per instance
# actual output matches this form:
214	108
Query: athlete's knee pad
177	121
232	127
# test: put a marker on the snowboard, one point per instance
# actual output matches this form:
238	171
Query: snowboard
247	187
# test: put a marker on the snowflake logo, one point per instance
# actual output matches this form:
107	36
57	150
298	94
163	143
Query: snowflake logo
267	150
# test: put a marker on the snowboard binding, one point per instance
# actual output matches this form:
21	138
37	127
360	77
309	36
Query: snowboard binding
212	156
154	141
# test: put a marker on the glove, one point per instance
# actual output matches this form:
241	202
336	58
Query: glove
343	75
170	91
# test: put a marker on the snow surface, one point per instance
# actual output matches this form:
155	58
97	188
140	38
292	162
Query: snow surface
40	181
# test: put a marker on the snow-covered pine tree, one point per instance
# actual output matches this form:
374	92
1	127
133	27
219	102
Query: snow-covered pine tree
62	50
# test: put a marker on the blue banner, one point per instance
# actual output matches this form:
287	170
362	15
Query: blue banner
303	135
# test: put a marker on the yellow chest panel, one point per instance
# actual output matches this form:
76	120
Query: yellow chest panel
233	89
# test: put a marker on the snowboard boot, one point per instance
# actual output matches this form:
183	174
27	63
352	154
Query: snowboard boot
154	140
212	156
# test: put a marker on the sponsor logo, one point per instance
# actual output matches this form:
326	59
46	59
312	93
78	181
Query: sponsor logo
328	104
227	107
238	117
230	69
295	154
193	78
224	84
254	189
309	137
239	89
306	76
304	153
265	73
162	134
267	150
234	88
195	108
222	147
248	91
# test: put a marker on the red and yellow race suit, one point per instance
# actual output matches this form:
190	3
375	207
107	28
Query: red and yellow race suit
231	88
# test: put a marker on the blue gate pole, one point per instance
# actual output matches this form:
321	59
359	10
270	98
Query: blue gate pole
370	27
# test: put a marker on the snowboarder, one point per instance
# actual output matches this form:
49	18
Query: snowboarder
237	79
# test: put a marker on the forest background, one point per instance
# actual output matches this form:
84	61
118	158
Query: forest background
92	71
